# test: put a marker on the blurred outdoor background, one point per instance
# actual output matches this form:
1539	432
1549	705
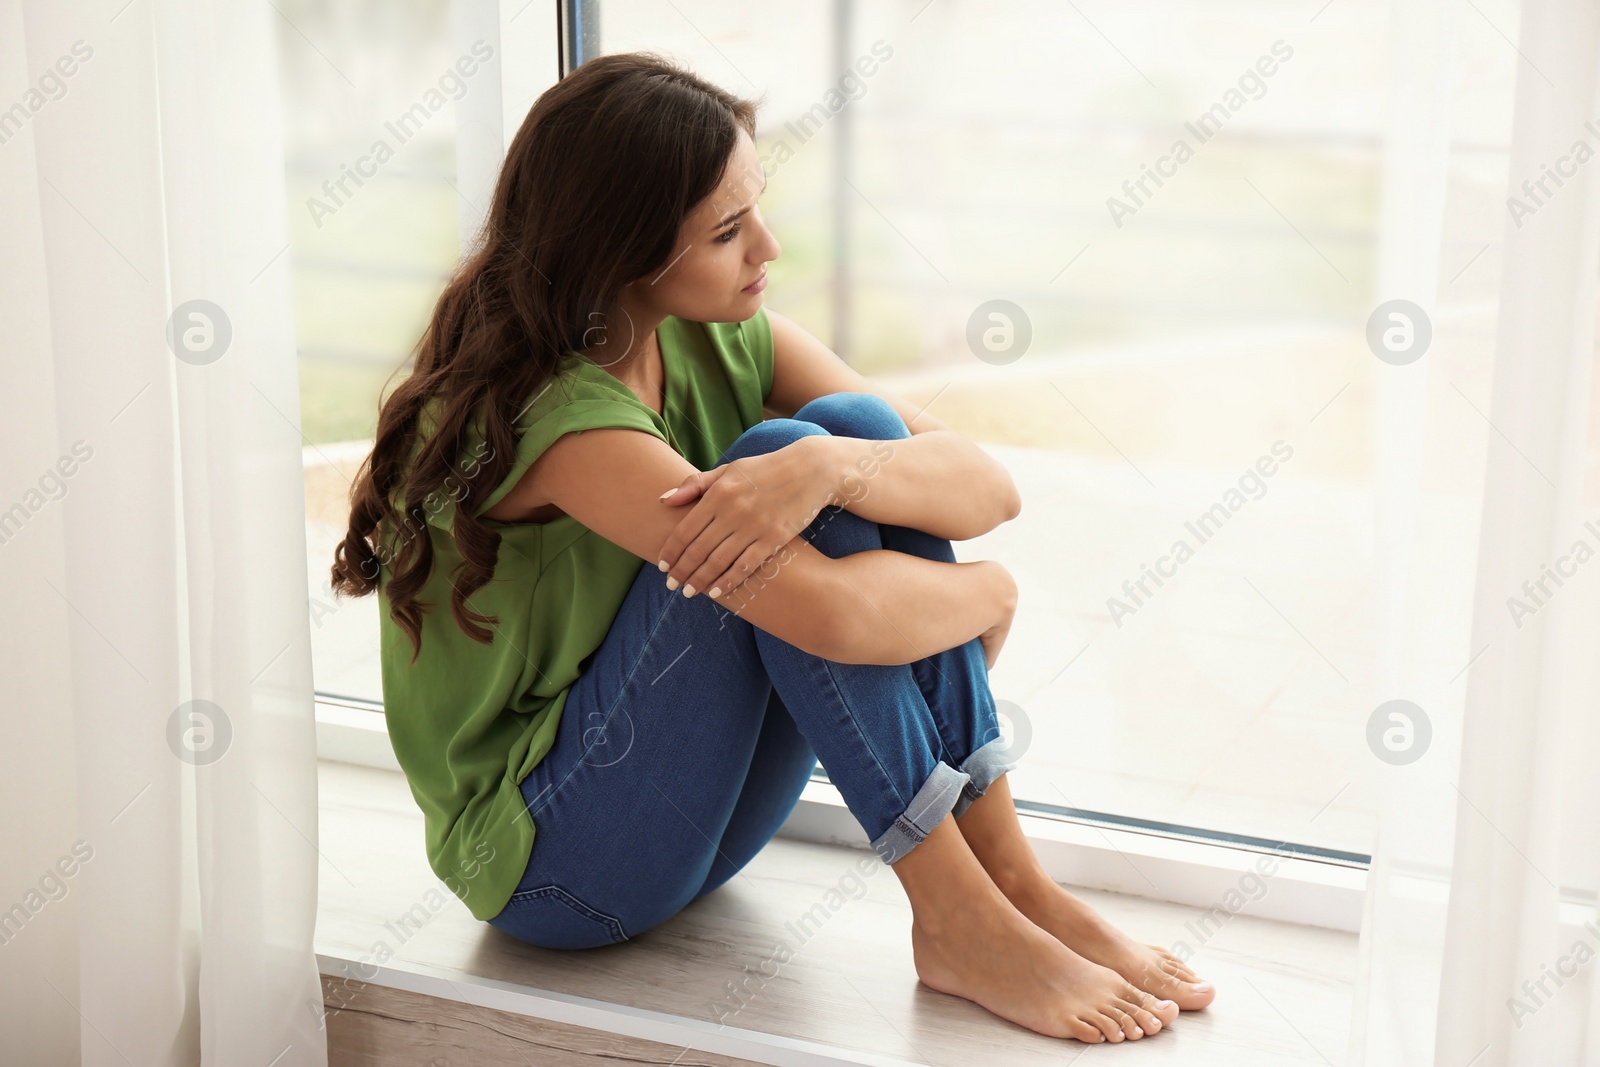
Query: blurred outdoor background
1166	355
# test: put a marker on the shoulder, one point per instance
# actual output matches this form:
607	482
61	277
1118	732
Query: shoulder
574	381
579	396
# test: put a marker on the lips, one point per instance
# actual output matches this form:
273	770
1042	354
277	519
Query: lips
757	285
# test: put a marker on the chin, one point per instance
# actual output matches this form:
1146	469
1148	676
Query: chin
741	309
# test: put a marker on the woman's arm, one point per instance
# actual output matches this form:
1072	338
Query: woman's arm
936	481
877	606
894	607
911	607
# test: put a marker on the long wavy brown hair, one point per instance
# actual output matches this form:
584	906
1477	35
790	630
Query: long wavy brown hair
594	189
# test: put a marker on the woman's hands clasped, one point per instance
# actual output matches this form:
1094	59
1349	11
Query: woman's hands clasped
744	512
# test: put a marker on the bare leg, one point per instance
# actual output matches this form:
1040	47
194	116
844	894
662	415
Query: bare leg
995	837
968	940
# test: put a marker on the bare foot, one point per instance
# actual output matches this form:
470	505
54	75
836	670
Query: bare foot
1150	968
996	958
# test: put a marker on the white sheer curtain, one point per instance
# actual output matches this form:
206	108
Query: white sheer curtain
159	856
1480	941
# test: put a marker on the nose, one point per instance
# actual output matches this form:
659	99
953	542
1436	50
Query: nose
770	249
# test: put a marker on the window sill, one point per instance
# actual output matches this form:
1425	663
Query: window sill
800	960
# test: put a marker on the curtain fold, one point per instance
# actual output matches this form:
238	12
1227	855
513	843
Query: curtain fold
147	264
1479	939
1530	690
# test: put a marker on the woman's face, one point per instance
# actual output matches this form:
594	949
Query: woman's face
723	247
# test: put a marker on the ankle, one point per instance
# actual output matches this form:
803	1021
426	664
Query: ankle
1024	883
978	905
1035	893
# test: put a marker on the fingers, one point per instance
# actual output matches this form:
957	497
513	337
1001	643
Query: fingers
749	561
727	566
692	487
704	561
689	531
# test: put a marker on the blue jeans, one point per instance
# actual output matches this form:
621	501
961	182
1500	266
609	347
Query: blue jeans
688	737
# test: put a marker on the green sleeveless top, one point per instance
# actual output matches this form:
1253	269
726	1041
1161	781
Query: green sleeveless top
468	721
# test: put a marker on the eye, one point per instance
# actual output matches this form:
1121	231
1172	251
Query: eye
730	235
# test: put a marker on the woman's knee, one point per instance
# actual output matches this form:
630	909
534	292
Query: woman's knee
864	415
770	436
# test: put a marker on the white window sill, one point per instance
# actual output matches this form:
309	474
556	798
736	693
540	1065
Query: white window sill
1219	879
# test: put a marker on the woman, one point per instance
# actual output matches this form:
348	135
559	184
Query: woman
652	729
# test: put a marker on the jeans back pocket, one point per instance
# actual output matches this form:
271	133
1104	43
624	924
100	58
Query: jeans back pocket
551	917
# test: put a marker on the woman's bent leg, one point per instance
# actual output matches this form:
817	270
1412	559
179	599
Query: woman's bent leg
954	682
679	755
779	770
963	923
893	761
641	783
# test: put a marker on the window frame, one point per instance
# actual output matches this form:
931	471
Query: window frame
1184	865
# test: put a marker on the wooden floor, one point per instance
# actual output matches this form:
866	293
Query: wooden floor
441	988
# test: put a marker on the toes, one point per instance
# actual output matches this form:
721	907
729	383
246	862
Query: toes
1177	968
1148	1022
1165	1010
1192	996
1152	975
1108	1026
1162	977
1088	1033
1184	974
1181	985
1130	1026
1174	970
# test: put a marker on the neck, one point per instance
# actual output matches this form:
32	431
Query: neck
632	349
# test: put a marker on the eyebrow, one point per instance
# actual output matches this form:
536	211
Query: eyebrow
741	211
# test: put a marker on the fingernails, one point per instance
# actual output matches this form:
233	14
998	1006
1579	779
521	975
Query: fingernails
688	590
714	592
672	583
669	492
661	565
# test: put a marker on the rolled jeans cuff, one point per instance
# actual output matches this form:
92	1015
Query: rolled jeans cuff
938	795
990	761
